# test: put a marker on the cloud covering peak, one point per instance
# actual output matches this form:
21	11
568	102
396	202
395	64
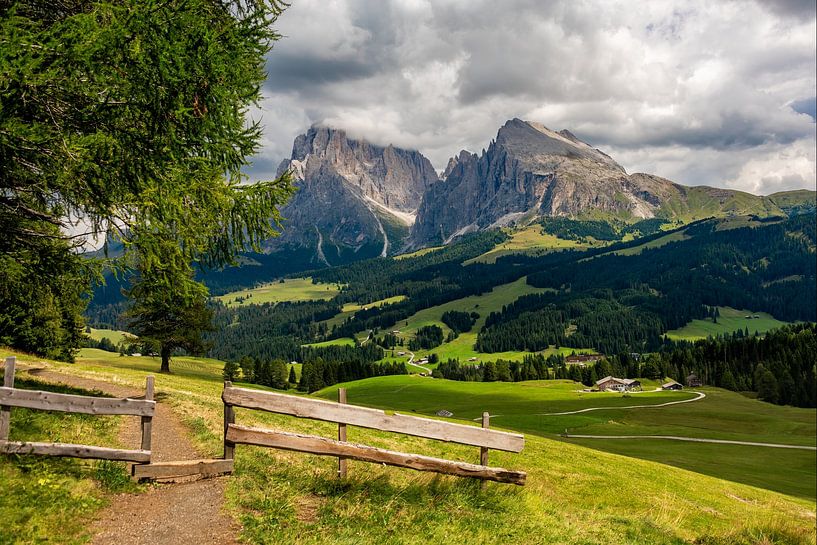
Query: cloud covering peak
716	93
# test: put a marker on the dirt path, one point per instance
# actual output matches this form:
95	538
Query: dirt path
167	514
691	439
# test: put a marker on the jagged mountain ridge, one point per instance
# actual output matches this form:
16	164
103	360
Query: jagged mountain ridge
530	171
355	199
358	200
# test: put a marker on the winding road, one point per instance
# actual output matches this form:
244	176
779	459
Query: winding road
701	395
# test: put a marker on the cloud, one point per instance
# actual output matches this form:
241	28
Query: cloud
658	87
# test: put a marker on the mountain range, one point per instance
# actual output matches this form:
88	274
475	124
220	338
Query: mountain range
358	200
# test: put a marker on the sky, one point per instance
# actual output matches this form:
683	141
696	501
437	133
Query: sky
703	93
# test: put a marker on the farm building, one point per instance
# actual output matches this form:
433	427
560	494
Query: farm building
672	385
583	358
693	381
613	384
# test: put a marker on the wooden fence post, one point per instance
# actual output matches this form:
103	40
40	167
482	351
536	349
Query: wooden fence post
147	421
342	468
5	412
229	418
483	451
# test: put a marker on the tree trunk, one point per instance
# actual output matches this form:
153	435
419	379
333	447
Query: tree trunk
165	359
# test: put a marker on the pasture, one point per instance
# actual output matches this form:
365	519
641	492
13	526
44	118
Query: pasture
531	240
290	289
721	414
729	321
462	347
112	335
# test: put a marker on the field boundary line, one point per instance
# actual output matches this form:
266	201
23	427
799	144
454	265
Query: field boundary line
691	439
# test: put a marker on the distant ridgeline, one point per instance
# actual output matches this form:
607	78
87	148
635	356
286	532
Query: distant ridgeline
778	366
618	299
627	302
601	298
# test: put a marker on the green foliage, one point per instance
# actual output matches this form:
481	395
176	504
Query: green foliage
427	337
169	307
41	298
570	229
231	370
459	322
131	117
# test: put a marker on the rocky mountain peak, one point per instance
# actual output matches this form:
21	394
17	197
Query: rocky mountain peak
392	177
530	170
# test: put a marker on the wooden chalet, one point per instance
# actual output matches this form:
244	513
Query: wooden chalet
672	385
613	384
693	381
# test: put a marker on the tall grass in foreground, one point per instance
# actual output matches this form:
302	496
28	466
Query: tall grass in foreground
52	500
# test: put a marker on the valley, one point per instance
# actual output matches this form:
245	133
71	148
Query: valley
408	273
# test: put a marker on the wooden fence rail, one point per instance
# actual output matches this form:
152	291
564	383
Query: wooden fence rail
48	401
350	415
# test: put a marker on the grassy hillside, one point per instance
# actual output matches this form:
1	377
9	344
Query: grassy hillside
350	308
114	336
463	346
531	240
703	202
291	289
730	320
574	495
720	415
52	500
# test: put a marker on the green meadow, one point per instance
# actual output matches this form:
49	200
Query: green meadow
462	347
729	321
574	494
290	289
350	308
112	335
530	239
720	415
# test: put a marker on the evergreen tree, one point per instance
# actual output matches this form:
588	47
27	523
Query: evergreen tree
231	370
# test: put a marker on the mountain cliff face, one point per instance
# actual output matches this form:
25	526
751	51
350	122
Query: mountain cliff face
355	199
531	171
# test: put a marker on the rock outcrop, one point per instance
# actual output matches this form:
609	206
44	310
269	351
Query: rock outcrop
530	171
355	199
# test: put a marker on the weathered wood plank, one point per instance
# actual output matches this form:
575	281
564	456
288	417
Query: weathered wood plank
147	421
50	401
483	451
5	411
185	468
74	451
229	418
372	418
342	465
328	447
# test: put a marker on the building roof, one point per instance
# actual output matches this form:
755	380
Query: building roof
626	381
670	383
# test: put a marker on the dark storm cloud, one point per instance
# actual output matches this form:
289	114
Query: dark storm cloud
792	8
293	73
658	84
806	106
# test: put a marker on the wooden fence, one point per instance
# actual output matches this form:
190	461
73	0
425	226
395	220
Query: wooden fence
48	401
350	415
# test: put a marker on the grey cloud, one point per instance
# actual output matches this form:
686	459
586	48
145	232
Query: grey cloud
661	86
806	106
792	8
